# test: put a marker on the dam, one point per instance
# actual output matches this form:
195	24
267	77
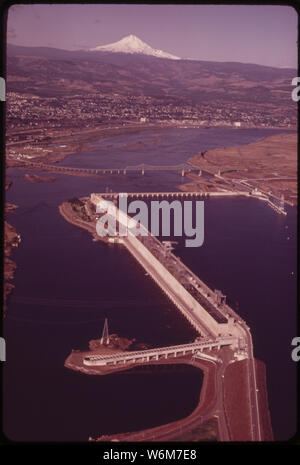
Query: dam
205	309
157	354
223	336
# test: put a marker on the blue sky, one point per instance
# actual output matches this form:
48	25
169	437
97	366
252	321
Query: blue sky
264	34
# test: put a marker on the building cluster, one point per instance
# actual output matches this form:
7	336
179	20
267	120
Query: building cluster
28	112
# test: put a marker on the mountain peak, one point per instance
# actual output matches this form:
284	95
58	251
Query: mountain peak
132	44
131	37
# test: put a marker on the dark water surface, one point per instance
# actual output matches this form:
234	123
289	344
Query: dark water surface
66	284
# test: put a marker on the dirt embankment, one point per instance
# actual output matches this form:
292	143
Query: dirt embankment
237	402
263	404
176	429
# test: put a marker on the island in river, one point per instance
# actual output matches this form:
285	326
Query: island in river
34	178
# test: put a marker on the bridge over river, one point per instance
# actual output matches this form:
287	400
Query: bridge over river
141	168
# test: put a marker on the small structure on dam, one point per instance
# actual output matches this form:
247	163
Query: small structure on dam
105	334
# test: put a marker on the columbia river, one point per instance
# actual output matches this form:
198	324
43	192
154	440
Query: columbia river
66	284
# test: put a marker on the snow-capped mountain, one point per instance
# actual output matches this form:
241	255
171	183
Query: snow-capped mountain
132	44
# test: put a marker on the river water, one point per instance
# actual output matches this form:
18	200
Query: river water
66	284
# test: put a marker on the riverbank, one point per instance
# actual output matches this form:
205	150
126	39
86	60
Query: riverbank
63	143
269	165
11	240
75	215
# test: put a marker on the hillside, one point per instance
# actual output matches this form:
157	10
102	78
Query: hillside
46	71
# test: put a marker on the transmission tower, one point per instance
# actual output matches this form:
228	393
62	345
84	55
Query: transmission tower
105	336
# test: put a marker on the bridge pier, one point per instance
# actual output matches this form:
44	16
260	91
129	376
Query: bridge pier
143	172
182	173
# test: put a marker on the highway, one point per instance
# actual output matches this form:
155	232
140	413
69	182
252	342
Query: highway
253	389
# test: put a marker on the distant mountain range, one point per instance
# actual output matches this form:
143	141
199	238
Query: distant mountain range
48	71
132	44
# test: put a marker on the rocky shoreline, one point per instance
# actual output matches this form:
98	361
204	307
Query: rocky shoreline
11	240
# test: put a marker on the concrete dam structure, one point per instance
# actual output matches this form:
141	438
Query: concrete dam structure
224	339
200	305
149	355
